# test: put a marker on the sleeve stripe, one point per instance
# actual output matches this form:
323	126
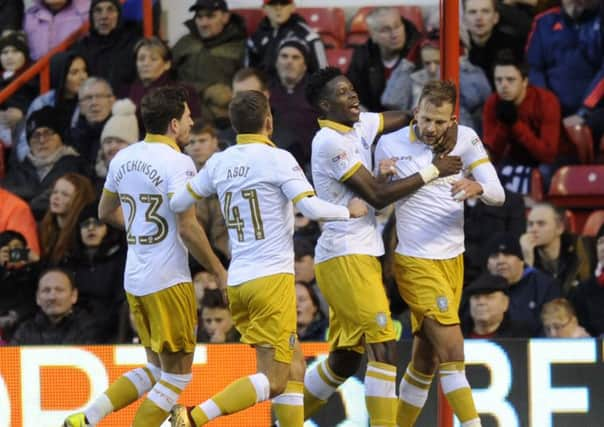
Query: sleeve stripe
193	193
477	163
381	125
303	195
109	192
351	171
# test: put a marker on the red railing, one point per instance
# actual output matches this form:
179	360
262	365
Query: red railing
42	66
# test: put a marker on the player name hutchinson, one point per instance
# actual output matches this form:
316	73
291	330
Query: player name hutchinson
139	166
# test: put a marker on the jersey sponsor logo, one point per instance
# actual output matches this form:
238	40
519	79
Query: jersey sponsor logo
340	157
403	158
442	303
475	141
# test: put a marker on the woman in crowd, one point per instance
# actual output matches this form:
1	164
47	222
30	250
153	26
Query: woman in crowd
312	323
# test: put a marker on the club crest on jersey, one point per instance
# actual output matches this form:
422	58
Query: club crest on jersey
292	341
442	303
381	319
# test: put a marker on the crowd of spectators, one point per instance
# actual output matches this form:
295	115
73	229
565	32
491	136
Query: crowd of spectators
527	69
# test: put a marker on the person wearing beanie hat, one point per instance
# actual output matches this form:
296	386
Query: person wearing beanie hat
14	59
529	288
120	131
588	297
47	23
488	303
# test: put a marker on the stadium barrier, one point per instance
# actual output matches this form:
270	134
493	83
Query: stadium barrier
516	383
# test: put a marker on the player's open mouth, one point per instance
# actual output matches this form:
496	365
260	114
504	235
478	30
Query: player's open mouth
355	108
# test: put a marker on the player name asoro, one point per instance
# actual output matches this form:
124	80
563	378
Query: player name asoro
237	172
139	166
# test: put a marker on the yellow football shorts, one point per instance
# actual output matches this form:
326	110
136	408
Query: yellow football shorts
359	311
430	287
264	312
166	321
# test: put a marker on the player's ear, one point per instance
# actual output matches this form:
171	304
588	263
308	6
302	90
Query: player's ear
453	119
324	105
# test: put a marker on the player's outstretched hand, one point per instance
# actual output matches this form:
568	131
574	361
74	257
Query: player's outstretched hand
447	165
357	207
446	144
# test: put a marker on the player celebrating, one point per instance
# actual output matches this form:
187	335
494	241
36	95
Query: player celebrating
429	256
347	269
157	279
257	183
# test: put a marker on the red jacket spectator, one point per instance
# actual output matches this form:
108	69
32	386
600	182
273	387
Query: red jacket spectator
534	138
16	215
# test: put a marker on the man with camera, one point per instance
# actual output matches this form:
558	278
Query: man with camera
18	273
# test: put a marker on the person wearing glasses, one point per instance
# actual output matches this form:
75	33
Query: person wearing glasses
49	158
560	320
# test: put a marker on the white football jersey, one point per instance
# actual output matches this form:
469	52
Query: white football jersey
143	175
429	222
338	151
256	184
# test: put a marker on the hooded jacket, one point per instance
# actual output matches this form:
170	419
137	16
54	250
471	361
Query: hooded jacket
111	56
204	62
46	30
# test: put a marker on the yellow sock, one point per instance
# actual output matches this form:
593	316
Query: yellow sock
122	393
380	395
288	406
413	393
457	390
160	400
319	383
237	396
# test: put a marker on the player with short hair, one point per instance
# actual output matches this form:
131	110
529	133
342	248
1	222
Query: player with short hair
346	265
157	279
258	184
428	262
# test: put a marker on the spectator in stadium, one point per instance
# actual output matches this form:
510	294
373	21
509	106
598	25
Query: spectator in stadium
560	320
482	221
547	245
214	49
97	264
304	261
95	99
529	287
215	107
154	69
59	227
48	160
202	281
488	316
58	320
521	125
16	215
109	45
565	53
67	73
48	22
203	144
119	131
215	319
11	15
589	295
281	22
486	39
295	119
392	39
14	60
311	321
19	269
249	78
405	85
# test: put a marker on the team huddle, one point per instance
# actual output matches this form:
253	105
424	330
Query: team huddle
427	168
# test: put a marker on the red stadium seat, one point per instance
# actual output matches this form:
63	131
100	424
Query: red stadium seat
329	22
339	58
570	221
593	223
536	185
252	18
580	186
359	33
582	139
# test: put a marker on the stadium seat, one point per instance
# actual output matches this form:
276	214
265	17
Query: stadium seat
329	22
358	32
570	221
580	186
593	223
582	139
340	58
536	185
252	18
